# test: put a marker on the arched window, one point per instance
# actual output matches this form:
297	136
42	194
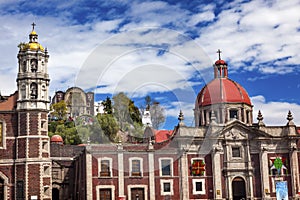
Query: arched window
33	65
33	91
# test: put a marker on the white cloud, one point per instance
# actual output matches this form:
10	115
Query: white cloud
275	112
273	29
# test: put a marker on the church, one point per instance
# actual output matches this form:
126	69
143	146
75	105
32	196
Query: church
226	155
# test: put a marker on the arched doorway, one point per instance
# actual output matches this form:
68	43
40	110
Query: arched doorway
238	189
1	189
55	194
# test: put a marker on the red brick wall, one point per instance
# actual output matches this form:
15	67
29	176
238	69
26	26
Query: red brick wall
34	180
33	147
257	175
23	123
21	148
33	123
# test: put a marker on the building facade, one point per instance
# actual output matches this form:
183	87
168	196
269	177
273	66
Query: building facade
225	156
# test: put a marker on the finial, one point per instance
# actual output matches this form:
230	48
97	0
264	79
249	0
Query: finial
289	116
219	52
260	119
181	118
259	116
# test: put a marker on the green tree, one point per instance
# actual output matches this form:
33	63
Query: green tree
59	110
66	130
125	111
107	106
109	126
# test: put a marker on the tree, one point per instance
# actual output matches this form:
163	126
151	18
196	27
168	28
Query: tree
59	110
109	126
66	130
157	115
125	111
107	104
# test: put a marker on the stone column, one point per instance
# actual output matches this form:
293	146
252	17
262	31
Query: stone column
217	173
89	174
264	169
151	175
294	163
184	193
121	170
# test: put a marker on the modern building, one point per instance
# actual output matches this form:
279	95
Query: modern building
225	156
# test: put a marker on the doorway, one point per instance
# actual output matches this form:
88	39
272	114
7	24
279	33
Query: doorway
137	194
238	189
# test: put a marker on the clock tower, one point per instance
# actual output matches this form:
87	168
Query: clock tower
33	164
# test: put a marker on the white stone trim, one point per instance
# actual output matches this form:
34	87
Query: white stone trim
162	192
145	187
121	173
112	187
3	146
89	179
110	165
130	165
203	186
160	166
151	176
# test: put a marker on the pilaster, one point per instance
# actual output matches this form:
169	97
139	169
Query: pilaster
184	193
151	175
264	168
216	167
294	163
121	170
89	174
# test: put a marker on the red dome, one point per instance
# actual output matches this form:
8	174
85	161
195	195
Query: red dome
222	90
56	139
220	62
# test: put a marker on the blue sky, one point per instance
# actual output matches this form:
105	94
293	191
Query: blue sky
162	48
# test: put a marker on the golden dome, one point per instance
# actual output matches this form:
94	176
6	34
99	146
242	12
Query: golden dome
33	33
31	46
35	46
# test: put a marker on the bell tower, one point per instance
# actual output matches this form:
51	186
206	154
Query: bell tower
33	164
33	78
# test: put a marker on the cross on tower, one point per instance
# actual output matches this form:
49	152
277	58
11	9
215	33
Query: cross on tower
219	52
33	25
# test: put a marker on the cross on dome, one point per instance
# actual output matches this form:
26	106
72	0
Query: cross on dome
219	52
33	25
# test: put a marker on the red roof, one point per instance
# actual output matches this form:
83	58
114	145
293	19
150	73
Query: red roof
56	139
222	90
220	62
162	135
10	103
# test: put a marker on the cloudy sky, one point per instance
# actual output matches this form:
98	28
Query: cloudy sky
164	49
